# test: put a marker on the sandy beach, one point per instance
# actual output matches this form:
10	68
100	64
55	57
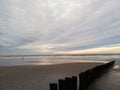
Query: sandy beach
38	77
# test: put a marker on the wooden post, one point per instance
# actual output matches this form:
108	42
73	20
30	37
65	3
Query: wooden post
53	86
68	83
74	83
62	84
82	81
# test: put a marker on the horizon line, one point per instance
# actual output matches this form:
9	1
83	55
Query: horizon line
57	55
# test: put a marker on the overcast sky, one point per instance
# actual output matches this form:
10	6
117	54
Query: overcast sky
59	26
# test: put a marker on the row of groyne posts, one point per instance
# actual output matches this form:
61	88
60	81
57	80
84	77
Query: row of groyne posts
85	78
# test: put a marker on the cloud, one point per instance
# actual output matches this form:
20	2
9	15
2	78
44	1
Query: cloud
43	26
100	50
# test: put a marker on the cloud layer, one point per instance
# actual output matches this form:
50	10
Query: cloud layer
50	26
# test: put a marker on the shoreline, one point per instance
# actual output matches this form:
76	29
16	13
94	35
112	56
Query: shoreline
39	65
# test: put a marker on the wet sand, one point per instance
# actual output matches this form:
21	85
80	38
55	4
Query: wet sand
38	77
110	81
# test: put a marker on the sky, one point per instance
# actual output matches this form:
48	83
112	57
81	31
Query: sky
59	26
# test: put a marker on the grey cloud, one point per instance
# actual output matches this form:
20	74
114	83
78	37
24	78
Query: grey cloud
67	24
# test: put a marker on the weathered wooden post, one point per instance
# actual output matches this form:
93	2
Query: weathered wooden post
74	83
68	82
82	82
88	78
53	86
62	84
93	75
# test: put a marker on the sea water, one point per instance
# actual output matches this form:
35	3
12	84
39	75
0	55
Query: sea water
48	60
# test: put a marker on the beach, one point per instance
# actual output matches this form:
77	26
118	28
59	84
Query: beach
38	77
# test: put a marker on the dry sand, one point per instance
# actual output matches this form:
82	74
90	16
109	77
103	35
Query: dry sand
38	77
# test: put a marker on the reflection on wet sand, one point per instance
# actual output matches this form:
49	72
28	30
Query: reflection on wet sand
60	61
110	81
116	68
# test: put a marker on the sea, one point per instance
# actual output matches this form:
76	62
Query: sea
49	60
